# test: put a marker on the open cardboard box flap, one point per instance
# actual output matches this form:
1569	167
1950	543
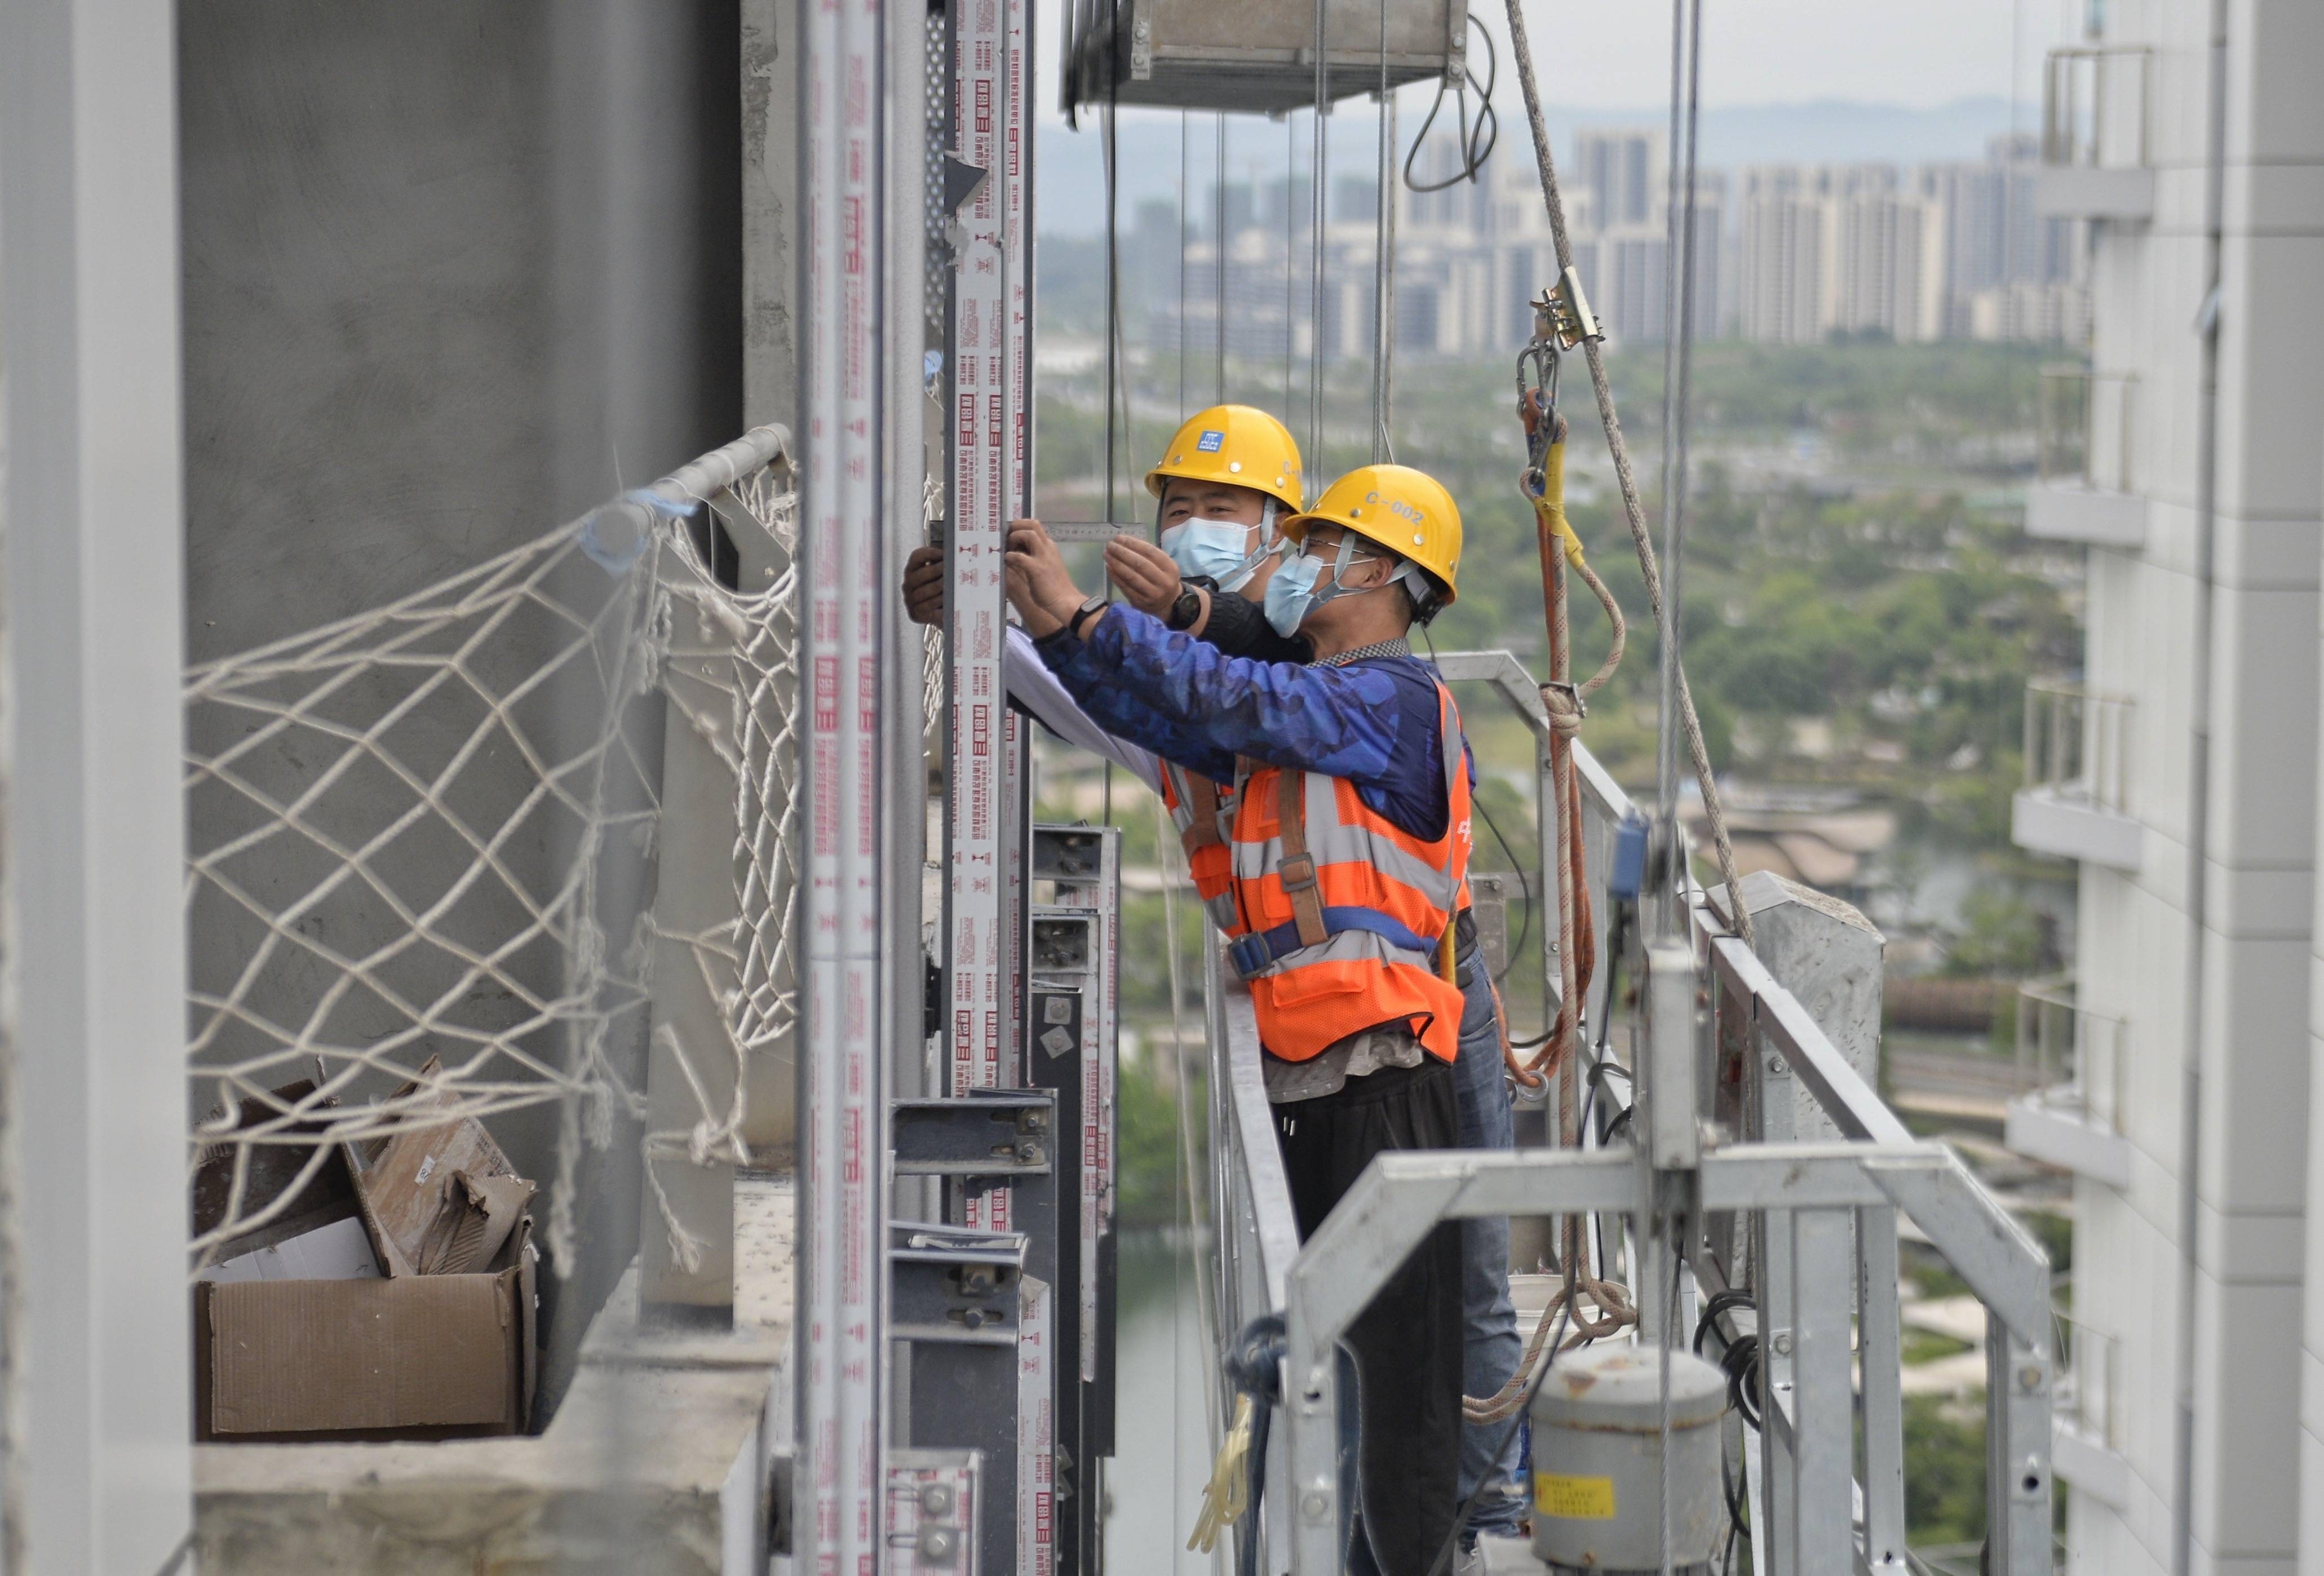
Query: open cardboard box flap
432	1356
420	1219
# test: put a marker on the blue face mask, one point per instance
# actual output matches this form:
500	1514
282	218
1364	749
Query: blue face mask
1291	595
1214	549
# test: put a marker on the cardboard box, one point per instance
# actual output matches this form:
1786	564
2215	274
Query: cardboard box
436	1198
338	1251
327	1194
317	1326
413	1357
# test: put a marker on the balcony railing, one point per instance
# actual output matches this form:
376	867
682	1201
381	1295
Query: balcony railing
2089	1383
2074	1057
2094	107
2086	427
2077	744
2077	1061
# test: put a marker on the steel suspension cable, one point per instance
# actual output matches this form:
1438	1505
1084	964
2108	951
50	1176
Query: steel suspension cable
1186	174
1626	481
1290	254
1220	196
1318	217
1383	254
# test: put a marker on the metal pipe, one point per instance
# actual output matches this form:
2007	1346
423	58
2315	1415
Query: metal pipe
2207	520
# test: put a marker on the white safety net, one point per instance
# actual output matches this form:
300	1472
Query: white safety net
423	848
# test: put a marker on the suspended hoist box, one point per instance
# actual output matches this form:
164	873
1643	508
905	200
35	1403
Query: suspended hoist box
1255	56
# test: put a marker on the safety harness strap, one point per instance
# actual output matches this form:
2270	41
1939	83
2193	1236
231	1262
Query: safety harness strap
1253	955
1298	868
1201	796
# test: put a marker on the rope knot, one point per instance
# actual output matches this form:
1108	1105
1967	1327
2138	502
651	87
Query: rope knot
1565	707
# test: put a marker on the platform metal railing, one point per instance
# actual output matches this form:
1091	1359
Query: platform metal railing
1811	1228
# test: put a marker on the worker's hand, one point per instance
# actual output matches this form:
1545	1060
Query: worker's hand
1039	584
1147	575
924	585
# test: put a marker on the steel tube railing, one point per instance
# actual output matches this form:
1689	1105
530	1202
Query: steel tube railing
2077	1056
2087	92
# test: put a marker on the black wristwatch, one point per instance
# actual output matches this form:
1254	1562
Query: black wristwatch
1186	609
1095	604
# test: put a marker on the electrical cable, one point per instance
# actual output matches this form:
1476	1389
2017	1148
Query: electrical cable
1477	142
1738	1359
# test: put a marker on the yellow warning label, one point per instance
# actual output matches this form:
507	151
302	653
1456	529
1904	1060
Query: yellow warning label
1573	1499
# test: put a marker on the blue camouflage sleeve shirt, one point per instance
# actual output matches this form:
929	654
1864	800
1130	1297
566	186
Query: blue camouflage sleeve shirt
1374	723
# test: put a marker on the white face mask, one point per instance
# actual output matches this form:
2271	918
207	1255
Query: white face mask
1216	549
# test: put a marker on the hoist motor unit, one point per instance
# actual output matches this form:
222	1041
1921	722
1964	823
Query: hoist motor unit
1598	1461
1253	56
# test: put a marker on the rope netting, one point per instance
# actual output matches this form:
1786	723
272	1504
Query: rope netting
423	843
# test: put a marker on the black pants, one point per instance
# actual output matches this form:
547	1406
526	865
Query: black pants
1408	1345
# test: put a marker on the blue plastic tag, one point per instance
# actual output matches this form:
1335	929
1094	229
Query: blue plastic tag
1211	442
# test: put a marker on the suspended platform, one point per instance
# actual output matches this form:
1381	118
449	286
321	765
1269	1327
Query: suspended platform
1254	57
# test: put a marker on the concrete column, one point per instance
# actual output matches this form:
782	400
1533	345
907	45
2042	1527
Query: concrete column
96	1473
1828	955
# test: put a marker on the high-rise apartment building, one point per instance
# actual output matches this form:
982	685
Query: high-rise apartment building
2180	768
1788	263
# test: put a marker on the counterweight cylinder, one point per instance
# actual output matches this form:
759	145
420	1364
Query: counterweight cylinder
1598	1462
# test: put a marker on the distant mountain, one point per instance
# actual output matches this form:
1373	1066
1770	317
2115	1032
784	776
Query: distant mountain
1070	165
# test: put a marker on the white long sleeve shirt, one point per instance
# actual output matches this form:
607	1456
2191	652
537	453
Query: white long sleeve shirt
1032	685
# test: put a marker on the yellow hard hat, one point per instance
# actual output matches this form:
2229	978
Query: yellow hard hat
1238	445
1405	510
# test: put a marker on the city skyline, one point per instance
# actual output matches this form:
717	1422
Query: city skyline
1789	253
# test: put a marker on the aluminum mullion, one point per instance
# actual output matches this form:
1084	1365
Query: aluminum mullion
842	1071
975	604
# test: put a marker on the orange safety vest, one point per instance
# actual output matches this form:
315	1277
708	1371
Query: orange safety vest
1203	813
1341	913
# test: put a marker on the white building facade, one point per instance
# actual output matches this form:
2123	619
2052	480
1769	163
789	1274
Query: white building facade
2181	768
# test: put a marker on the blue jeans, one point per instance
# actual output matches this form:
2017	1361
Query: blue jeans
1493	1347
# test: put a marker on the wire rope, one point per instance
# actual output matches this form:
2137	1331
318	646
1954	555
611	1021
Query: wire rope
1290	256
1220	196
1319	216
1678	360
1185	175
1383	253
1633	510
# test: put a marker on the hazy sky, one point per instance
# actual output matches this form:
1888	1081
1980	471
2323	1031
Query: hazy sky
1615	54
1915	52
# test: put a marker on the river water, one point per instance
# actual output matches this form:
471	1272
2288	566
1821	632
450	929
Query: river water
1161	1442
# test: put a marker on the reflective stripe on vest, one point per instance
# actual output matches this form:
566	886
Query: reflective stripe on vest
1384	899
1203	815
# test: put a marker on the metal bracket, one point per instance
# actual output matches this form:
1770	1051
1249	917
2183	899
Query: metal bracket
1070	854
933	1507
985	1139
1567	310
954	1285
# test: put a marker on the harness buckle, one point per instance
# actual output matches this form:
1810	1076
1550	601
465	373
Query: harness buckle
1251	955
1304	881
